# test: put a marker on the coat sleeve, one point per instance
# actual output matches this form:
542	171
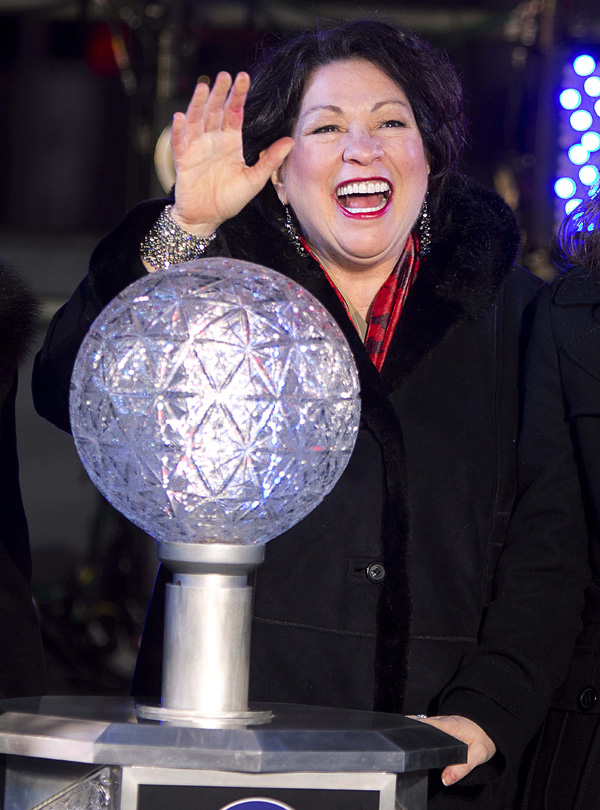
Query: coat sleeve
114	265
529	627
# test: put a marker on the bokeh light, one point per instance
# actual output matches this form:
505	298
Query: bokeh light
581	120
588	175
565	187
571	205
592	86
591	141
570	99
584	65
578	154
578	136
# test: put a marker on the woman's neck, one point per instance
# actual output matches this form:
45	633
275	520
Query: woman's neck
360	286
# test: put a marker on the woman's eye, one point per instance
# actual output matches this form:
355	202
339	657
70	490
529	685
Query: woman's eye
325	128
393	123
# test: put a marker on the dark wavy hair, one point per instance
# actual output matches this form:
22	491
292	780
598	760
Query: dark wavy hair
577	241
425	74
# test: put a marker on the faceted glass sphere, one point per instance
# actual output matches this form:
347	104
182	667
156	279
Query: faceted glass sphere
216	401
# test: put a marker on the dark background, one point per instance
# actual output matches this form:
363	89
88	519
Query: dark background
77	149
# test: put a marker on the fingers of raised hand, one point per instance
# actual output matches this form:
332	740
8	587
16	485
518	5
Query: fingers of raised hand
196	108
221	107
178	133
191	123
214	107
233	113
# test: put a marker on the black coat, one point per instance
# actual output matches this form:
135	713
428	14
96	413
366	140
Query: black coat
563	398
21	660
427	493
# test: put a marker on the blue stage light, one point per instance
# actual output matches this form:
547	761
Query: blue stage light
581	120
588	175
592	86
578	154
584	65
590	141
571	205
578	135
570	99
565	187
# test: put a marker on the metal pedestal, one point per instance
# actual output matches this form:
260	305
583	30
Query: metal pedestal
65	753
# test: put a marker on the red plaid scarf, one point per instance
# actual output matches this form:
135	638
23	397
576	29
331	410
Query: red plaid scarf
389	301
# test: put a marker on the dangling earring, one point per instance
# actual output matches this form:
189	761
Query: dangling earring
425	228
292	232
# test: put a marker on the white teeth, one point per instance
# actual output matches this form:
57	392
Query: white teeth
370	187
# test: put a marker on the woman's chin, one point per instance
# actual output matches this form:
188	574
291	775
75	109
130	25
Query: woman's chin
358	258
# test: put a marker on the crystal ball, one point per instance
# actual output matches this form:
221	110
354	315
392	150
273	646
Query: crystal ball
216	401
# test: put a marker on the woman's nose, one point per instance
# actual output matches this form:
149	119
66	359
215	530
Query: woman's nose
362	147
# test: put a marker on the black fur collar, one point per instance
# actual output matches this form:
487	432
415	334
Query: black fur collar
18	312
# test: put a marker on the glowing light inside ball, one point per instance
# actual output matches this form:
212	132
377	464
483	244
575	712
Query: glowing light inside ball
216	401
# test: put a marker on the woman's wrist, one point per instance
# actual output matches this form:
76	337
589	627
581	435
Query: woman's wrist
167	243
200	229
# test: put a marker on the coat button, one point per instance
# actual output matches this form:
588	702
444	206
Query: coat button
376	572
587	698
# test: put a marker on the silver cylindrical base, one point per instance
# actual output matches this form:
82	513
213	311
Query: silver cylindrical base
207	644
206	655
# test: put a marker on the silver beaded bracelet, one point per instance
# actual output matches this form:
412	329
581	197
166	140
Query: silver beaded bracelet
166	243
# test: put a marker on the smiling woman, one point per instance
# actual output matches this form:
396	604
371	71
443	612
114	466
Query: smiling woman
356	178
335	165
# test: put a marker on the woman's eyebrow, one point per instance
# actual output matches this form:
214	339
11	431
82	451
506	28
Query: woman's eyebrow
338	110
317	107
380	104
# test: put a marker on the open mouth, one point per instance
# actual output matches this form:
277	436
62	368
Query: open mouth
364	197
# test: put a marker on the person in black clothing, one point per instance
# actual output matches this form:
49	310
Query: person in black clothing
336	166
562	403
22	669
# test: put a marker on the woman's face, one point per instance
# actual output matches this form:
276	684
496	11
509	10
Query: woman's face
357	175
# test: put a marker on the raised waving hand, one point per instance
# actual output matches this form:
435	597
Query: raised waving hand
213	183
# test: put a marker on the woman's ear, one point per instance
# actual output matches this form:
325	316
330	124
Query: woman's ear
278	183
